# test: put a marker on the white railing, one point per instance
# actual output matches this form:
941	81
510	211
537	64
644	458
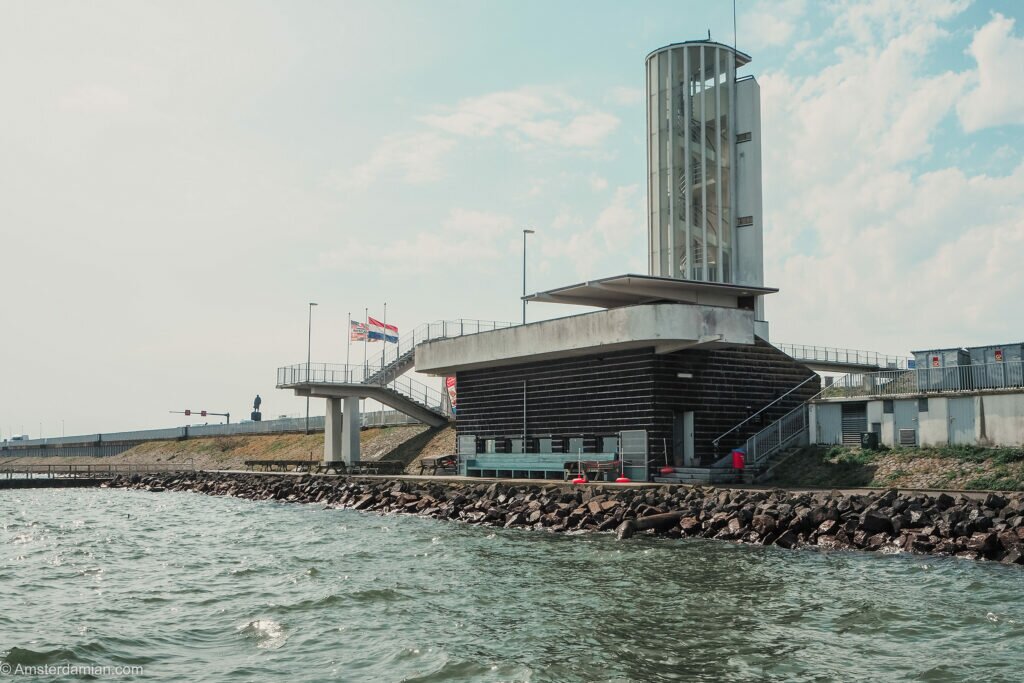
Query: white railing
327	373
954	379
827	354
718	440
440	329
787	430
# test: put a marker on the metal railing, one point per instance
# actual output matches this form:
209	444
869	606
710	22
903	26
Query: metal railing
954	379
827	354
717	440
787	430
329	373
376	418
90	471
440	329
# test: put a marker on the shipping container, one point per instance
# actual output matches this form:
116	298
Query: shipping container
943	369
1002	363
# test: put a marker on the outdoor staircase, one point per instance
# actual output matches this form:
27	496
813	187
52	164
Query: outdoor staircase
397	359
381	377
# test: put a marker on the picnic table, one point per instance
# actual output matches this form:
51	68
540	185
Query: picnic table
448	462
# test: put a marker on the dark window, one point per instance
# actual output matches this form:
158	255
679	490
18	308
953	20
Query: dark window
887	407
922	405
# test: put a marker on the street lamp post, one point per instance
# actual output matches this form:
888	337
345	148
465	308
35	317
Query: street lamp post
309	352
525	233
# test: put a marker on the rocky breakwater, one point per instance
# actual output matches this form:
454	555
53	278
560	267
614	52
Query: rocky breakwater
989	527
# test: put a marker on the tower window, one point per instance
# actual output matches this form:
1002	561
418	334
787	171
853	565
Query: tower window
743	137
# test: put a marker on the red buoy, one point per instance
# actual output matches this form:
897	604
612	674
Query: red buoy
580	480
623	480
667	470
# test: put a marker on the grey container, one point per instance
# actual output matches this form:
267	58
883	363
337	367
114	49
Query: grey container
1003	366
943	369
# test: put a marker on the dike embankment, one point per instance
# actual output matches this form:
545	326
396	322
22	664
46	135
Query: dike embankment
980	528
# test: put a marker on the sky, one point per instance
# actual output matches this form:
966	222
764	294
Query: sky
179	179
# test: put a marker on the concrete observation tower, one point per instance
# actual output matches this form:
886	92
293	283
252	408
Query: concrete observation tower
673	366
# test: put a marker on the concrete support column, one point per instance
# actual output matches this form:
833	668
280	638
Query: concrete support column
351	422
333	431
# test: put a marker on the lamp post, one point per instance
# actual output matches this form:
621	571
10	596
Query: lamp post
525	233
309	351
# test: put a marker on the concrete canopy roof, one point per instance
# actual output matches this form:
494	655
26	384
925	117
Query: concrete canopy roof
663	327
631	290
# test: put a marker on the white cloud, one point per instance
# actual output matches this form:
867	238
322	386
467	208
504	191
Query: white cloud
413	157
855	232
770	23
997	97
527	115
624	96
472	239
617	226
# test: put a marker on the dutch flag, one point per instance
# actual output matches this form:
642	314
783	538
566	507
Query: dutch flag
378	330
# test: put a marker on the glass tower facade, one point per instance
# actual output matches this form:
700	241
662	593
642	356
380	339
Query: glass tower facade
692	138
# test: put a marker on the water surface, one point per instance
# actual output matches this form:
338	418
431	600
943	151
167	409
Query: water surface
192	587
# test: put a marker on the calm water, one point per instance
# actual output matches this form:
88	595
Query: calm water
192	587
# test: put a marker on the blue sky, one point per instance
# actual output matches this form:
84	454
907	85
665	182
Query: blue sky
177	180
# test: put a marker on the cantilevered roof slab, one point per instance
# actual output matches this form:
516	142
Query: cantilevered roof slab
631	290
665	327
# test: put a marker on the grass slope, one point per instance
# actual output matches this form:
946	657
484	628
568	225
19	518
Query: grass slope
947	467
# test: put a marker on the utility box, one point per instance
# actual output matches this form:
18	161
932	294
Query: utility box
943	369
869	441
1001	365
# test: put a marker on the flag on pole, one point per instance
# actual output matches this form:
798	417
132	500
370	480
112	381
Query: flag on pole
378	330
358	331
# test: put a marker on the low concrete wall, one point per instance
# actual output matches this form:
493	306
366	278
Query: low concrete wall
1003	421
998	419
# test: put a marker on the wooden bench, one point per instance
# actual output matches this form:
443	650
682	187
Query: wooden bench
280	465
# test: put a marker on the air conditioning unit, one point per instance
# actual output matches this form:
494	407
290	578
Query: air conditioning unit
908	437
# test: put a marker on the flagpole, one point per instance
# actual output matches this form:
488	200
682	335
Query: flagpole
384	351
348	349
366	324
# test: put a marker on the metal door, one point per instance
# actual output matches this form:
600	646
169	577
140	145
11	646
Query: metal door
829	419
682	438
961	420
904	418
855	421
633	451
467	450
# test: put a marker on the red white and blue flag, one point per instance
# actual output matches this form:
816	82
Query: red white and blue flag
358	330
378	330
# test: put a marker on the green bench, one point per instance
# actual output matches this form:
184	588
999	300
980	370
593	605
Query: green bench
527	465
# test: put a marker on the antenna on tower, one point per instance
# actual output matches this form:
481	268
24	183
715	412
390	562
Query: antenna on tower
734	28
709	35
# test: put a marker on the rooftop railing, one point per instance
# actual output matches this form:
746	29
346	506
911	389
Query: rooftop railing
329	373
953	379
828	354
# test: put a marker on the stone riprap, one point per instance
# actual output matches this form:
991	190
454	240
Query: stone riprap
989	527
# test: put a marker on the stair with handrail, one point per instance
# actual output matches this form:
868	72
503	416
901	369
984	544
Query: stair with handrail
399	358
384	371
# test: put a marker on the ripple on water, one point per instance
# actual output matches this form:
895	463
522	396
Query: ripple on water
215	588
266	633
